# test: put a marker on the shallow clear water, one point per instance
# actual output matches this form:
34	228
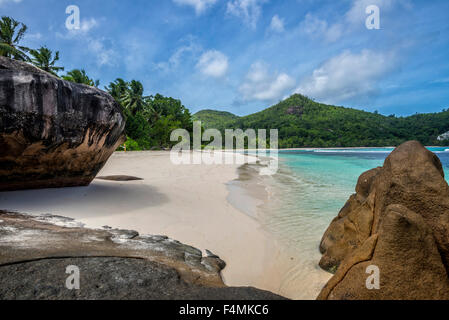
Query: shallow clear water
307	193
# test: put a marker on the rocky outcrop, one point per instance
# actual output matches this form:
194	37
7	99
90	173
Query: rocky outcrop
113	264
53	133
443	137
398	221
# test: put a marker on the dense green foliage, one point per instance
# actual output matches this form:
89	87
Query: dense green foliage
303	122
80	76
215	119
149	119
43	58
11	33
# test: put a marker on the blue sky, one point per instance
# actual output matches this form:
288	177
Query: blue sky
245	55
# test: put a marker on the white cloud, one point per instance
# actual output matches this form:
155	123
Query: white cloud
177	57
200	6
316	27
213	63
104	56
347	76
248	10
353	19
277	24
87	25
260	85
2	2
357	14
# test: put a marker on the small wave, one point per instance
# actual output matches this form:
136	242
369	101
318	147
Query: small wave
353	151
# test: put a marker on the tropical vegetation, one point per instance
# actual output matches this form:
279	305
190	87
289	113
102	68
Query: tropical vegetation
80	76
11	33
43	58
301	122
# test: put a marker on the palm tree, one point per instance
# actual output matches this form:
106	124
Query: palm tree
43	59
10	38
133	99
80	76
117	89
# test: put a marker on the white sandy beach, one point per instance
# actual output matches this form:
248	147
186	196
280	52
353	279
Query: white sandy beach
185	202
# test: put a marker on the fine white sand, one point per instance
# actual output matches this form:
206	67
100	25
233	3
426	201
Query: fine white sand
185	202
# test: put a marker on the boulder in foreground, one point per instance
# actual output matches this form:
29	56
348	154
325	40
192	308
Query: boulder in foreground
398	221
53	133
113	264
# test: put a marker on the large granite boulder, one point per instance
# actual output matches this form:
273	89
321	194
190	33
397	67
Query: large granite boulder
53	133
35	252
398	221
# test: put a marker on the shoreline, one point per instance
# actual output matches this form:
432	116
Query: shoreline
164	204
295	267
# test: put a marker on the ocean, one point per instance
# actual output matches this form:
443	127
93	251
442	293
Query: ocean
305	195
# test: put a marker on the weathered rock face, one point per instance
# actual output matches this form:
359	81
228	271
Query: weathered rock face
398	220
53	133
444	136
114	264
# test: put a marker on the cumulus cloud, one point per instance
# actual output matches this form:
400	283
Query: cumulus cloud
277	24
2	2
353	19
200	6
175	60
213	63
316	27
86	25
105	56
357	13
260	85
248	10
347	76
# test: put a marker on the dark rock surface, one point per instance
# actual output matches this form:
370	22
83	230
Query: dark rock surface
114	264
120	178
53	133
398	221
110	279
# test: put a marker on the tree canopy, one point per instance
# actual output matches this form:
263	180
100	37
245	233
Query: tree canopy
80	76
303	122
11	33
43	58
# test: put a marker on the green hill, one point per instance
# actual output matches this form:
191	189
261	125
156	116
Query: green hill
215	119
303	122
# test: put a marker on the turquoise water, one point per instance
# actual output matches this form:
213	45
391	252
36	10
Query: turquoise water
307	193
332	174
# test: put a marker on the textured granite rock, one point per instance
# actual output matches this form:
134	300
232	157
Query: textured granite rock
53	133
114	264
398	221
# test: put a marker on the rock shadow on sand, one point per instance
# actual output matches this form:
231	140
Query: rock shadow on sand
101	198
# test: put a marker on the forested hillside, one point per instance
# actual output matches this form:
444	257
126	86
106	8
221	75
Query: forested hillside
303	122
